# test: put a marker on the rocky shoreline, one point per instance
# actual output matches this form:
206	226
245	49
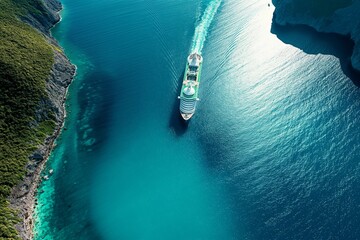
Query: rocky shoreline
343	20
23	197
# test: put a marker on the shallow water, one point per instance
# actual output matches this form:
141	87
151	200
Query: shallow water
271	152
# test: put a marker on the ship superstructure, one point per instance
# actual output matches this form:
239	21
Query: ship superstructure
190	86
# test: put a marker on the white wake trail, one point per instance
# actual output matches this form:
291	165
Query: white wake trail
202	29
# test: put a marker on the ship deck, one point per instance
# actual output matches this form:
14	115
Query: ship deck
196	84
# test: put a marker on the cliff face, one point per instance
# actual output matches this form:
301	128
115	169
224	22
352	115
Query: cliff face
61	75
334	16
48	17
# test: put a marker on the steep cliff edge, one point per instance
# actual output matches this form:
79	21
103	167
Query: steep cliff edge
332	16
34	77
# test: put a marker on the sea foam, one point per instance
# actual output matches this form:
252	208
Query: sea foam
202	29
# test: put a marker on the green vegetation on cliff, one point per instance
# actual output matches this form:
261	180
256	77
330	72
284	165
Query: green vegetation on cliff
25	63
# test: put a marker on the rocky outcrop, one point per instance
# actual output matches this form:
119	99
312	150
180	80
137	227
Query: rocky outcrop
343	20
23	197
46	16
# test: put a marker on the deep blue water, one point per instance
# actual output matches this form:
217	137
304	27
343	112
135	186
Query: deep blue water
271	153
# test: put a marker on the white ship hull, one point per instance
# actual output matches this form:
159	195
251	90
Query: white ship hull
190	88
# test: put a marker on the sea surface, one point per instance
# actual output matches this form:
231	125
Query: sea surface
271	153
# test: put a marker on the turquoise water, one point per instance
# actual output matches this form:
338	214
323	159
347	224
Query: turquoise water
271	153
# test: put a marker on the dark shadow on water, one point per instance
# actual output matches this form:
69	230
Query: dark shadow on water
96	95
176	122
313	42
71	202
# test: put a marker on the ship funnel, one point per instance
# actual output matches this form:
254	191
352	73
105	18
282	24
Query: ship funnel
189	90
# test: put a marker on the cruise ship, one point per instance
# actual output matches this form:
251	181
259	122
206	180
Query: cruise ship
190	86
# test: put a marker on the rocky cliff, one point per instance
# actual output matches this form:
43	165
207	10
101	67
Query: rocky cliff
333	16
62	73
